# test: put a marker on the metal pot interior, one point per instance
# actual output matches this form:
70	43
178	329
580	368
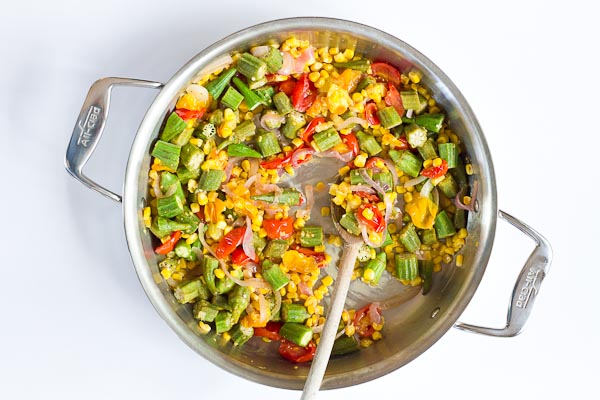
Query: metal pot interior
410	328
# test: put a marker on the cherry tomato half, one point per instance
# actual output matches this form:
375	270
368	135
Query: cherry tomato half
168	246
189	114
352	143
392	98
371	114
435	172
387	72
362	321
304	94
279	228
230	241
270	331
376	223
310	129
295	353
239	257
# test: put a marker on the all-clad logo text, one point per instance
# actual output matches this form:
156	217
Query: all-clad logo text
528	288
87	125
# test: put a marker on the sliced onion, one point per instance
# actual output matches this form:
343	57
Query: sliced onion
251	181
277	305
415	181
426	189
199	92
365	236
262	308
254	164
392	167
233	161
262	188
217	65
254	282
259	51
374	185
436	196
350	121
318	328
247	243
471	206
374	313
156	188
340	333
304	288
409	113
305	58
346	157
301	154
288	64
310	201
388	209
198	252
362	188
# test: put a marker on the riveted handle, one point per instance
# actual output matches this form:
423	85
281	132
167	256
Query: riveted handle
526	288
90	125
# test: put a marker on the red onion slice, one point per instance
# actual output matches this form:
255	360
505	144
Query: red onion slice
301	154
392	167
216	65
247	243
277	305
288	64
254	164
251	180
262	308
156	188
362	188
365	236
426	189
233	161
374	313
471	206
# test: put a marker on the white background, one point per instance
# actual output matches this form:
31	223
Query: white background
75	322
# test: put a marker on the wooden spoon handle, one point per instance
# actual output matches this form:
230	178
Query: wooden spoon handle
340	290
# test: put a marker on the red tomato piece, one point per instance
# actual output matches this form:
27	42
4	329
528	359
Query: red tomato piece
287	86
363	323
392	98
387	72
310	129
279	162
371	114
168	246
297	354
279	228
376	223
239	257
435	172
373	161
304	94
189	114
352	143
230	241
369	196
271	331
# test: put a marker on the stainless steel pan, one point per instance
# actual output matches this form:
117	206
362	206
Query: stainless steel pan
410	328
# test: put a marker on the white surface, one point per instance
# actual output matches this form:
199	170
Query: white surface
75	321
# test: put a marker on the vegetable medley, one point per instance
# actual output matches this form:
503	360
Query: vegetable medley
236	240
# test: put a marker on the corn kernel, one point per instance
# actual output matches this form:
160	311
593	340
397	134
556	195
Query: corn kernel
368	275
262	233
316	66
360	160
469	169
466	200
327	281
297	142
325	211
344	170
349	54
414	76
459	260
376	335
437	162
378	327
365	342
202	199
368	214
203	328
219	273
427	163
408	197
320	83
350	330
340	57
392	228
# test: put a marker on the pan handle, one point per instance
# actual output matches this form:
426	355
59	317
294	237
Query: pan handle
527	286
90	125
